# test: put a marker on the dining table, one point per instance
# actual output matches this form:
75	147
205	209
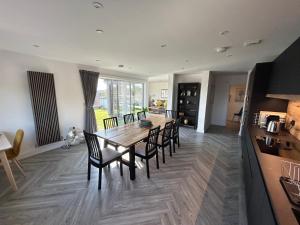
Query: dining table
128	135
5	145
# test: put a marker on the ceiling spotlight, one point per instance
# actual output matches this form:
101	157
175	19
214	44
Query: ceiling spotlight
224	32
222	49
121	66
36	46
252	42
163	45
99	31
97	5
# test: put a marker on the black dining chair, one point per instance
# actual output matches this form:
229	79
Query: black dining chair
239	114
110	123
141	115
128	118
175	133
171	114
147	150
100	157
164	140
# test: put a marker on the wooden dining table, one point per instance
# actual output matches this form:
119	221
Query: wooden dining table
130	134
5	145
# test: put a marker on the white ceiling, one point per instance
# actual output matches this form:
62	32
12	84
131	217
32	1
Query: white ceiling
134	30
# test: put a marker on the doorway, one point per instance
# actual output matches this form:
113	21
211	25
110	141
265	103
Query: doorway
235	103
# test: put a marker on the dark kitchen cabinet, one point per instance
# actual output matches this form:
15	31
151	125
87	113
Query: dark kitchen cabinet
285	75
260	77
259	210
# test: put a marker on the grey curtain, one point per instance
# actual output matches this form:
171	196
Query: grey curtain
89	80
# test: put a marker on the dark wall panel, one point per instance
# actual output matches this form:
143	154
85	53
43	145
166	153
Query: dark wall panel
44	107
285	77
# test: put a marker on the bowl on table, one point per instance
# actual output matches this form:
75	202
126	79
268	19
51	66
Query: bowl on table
146	123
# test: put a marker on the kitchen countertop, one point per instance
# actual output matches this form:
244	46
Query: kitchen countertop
270	166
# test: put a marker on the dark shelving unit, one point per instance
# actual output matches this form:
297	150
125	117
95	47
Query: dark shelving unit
188	103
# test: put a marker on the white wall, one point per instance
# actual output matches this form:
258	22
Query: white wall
205	79
155	88
222	83
15	105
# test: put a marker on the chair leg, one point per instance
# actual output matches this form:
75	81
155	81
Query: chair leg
157	162
173	147
17	163
163	153
121	168
100	178
147	165
89	171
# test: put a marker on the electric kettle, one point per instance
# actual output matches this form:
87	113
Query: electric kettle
273	127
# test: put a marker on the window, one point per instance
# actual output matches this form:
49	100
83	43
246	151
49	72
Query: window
116	98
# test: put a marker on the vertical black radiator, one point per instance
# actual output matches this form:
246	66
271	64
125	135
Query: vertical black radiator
44	107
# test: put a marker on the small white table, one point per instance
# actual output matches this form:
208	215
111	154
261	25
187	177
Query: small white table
4	145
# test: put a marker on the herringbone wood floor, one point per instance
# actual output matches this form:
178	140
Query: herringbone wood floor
199	185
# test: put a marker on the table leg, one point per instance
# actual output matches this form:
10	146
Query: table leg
7	169
132	162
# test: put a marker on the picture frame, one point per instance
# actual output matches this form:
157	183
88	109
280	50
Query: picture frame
164	93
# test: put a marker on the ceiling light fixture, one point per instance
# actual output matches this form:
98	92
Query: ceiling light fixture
98	5
36	46
121	66
224	32
222	49
163	45
252	42
99	31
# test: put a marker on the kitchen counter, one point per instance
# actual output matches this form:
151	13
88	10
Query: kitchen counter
270	166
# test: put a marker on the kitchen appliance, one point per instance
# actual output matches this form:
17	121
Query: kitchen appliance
283	147
271	118
273	127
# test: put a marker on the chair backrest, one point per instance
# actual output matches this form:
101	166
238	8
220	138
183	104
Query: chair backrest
241	111
141	115
166	137
17	142
176	127
110	122
93	146
128	118
151	146
171	114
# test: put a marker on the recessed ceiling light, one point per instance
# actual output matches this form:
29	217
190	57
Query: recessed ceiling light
36	46
163	45
222	49
99	31
252	42
121	66
224	32
98	5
